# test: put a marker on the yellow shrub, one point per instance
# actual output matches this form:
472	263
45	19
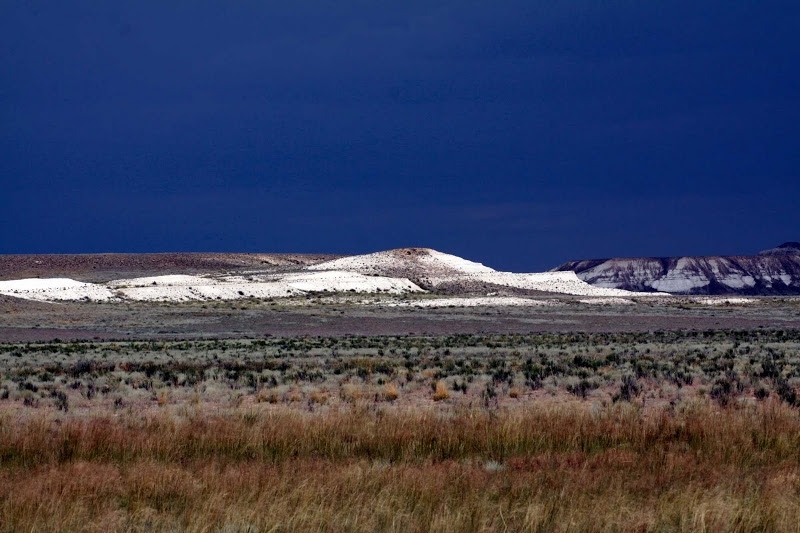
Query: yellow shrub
320	397
390	392
441	392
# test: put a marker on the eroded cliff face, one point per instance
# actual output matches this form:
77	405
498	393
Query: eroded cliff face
772	272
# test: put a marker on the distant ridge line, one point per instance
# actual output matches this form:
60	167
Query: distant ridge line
771	272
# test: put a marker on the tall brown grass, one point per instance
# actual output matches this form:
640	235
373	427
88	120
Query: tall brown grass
541	468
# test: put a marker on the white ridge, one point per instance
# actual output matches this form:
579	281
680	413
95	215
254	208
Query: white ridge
51	289
381	272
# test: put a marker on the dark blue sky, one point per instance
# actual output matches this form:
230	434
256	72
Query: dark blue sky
518	133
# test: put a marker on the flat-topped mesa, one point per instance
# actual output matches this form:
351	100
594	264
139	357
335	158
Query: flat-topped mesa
771	272
104	267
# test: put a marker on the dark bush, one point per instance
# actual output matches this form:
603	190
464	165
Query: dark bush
726	388
786	392
81	367
582	388
62	403
628	390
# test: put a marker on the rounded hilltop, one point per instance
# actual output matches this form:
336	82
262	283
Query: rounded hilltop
412	263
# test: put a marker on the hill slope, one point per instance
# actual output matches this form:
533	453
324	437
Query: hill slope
772	272
412	263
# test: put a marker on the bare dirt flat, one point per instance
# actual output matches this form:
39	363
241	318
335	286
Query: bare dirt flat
23	320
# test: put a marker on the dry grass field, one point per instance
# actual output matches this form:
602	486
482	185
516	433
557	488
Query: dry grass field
568	467
647	431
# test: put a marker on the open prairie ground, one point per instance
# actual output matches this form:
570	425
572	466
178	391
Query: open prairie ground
695	430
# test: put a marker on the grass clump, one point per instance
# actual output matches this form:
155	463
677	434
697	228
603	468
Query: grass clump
390	392
440	391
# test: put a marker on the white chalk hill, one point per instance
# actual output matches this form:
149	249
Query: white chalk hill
437	268
389	272
412	263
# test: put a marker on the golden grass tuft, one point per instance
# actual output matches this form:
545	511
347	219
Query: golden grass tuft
162	398
440	392
390	392
350	392
293	396
268	395
318	397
